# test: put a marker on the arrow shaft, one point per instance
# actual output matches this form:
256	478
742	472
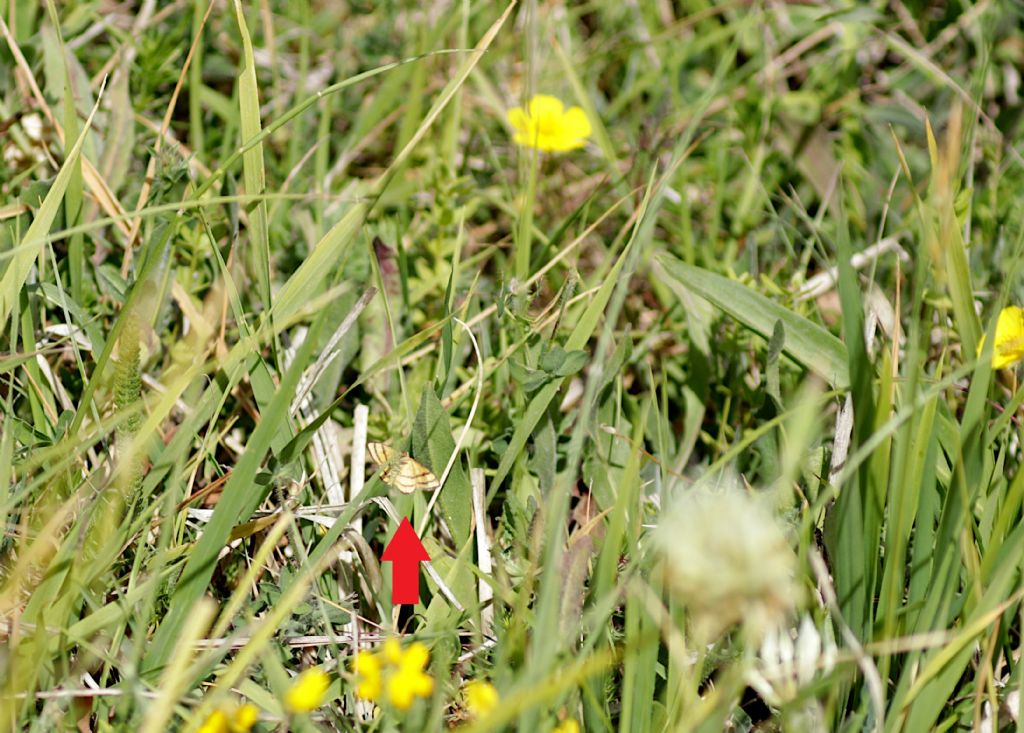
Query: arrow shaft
405	582
405	552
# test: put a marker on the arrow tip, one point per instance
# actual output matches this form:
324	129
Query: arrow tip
405	545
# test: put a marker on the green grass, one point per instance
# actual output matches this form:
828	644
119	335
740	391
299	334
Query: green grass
717	449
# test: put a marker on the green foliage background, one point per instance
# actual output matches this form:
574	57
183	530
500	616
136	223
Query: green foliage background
770	270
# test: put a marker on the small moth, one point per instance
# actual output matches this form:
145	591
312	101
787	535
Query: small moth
401	470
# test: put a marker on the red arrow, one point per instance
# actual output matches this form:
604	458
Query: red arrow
405	552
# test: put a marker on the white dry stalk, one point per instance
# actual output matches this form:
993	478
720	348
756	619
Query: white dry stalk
326	441
483	549
324	447
872	678
356	481
1006	712
56	386
313	374
357	468
825	281
881	310
302	641
841	444
844	420
63	331
488	644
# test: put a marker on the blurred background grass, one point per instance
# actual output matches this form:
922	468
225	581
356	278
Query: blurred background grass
717	450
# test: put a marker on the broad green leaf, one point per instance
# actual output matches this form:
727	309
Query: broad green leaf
807	343
432	438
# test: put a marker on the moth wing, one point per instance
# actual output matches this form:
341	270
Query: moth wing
387	474
380	453
412	475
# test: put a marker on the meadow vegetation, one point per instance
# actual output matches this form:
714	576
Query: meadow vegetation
702	315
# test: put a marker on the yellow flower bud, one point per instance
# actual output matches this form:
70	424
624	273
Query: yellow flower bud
307	692
244	718
481	698
217	722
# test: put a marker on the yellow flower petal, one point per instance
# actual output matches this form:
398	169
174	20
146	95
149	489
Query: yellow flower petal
392	651
575	128
368	689
416	657
307	692
217	722
422	685
1009	341
543	106
481	698
399	692
395	670
366	664
568	726
526	139
577	123
244	718
518	119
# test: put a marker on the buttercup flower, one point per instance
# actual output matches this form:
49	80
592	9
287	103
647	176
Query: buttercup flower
238	719
546	125
397	671
367	668
245	718
1009	346
307	691
392	651
567	726
481	698
409	681
217	722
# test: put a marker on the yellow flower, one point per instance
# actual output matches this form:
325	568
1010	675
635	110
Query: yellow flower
367	667
307	692
235	719
547	125
408	681
481	698
244	718
567	726
399	672
217	722
1009	347
392	651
